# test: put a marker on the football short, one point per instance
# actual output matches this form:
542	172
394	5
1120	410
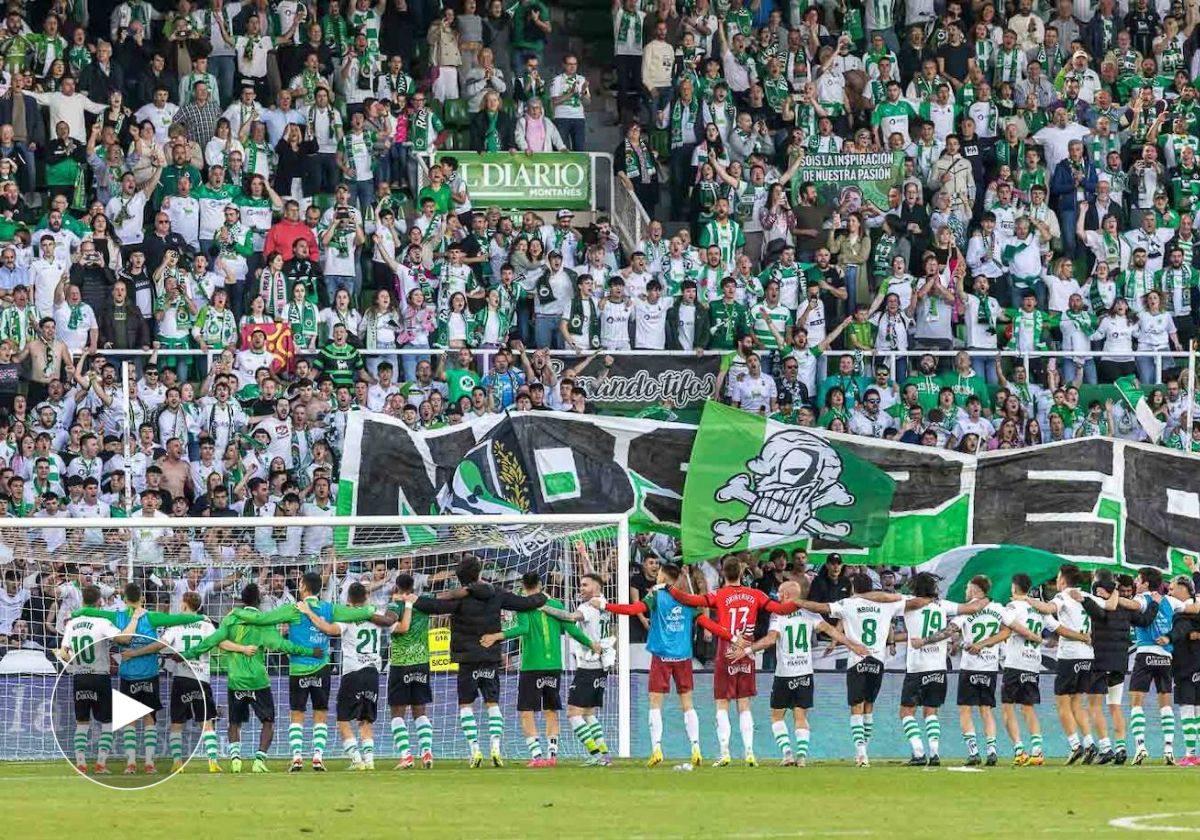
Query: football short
478	680
927	688
977	688
1072	676
863	681
309	688
1151	669
93	697
1187	689
587	688
733	680
358	696
1020	688
241	703
663	671
143	691
191	700
409	685
792	692
538	691
1102	681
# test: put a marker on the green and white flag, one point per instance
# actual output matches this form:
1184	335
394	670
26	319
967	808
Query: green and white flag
999	563
1135	398
754	483
558	478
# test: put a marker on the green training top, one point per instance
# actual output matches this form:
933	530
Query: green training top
156	619
305	632
412	646
541	638
246	673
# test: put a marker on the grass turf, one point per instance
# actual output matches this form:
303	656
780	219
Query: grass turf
627	800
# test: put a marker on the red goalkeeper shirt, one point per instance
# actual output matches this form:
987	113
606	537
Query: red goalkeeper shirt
737	608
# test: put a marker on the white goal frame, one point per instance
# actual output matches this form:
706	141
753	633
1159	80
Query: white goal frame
619	521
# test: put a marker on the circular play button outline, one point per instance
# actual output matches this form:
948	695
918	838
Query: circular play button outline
116	779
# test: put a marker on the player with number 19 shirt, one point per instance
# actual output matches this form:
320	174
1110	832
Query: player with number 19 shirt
927	630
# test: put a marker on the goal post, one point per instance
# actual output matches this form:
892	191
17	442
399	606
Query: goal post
52	560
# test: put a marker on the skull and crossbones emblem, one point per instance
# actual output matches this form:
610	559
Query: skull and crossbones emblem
795	474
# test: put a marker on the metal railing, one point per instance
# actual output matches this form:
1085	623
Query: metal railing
629	218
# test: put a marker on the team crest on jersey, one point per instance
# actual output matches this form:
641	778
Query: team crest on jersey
794	475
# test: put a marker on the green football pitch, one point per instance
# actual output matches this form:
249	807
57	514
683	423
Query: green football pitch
48	800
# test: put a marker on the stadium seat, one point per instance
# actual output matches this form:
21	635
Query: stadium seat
660	142
590	24
456	114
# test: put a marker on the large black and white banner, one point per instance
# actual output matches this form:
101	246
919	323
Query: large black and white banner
1093	500
535	462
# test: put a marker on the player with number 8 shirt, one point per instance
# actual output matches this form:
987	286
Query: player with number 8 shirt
866	618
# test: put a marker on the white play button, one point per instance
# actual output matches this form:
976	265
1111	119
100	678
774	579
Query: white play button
126	710
92	716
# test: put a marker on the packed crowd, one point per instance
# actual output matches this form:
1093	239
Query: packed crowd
179	185
1046	203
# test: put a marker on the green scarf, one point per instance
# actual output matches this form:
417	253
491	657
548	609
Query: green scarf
637	161
575	322
491	138
629	29
677	119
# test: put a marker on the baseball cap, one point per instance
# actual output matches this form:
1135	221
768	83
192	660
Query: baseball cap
834	558
564	214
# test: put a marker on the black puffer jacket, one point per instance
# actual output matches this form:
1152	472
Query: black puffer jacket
1110	633
825	589
1185	651
475	614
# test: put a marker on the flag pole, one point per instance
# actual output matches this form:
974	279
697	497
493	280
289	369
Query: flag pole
1187	435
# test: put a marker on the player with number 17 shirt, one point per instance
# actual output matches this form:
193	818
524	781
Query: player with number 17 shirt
737	609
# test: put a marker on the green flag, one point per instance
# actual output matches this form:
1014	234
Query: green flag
998	562
754	483
1135	398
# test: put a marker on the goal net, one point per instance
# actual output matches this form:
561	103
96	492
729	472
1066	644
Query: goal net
45	571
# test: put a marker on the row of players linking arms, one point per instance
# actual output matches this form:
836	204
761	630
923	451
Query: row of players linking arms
997	642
